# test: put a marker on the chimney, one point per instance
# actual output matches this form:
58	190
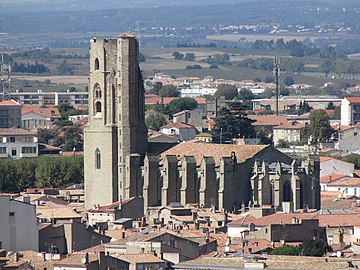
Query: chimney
16	257
197	225
86	259
294	220
123	235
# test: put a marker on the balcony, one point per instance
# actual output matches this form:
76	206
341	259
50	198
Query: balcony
28	155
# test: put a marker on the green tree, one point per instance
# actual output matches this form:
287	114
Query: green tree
319	129
180	104
155	121
245	94
177	55
156	88
354	159
304	107
232	124
169	91
227	90
73	139
287	250
64	69
190	57
46	135
330	106
288	81
316	248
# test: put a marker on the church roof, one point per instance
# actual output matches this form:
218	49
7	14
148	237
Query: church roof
200	149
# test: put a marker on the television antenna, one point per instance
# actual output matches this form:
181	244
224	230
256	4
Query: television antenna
277	75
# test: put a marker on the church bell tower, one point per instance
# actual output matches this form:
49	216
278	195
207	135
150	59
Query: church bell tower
116	127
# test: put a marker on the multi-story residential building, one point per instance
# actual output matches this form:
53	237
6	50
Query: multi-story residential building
17	143
51	98
33	117
350	111
289	132
348	138
18	225
10	114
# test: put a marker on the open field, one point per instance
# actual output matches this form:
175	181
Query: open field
69	80
286	37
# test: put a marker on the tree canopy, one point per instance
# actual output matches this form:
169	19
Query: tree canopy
316	248
50	172
180	104
227	90
231	124
169	91
155	121
319	129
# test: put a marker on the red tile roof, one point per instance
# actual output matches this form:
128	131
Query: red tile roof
9	102
15	131
323	159
200	149
353	99
332	220
268	120
346	182
178	125
330	178
48	112
290	125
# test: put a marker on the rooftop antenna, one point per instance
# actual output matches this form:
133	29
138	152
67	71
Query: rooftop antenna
137	31
5	80
276	75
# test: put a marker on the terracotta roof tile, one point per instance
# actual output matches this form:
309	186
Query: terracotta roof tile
200	149
346	181
48	112
324	219
139	258
268	120
15	131
330	178
178	125
353	99
9	102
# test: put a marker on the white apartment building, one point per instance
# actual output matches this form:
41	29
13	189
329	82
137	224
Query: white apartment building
41	98
350	111
17	143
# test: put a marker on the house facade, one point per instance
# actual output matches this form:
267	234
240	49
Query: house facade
350	111
18	225
10	114
18	143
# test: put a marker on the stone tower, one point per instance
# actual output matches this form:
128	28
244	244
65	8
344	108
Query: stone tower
116	127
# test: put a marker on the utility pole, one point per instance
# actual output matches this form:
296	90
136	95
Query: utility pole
276	75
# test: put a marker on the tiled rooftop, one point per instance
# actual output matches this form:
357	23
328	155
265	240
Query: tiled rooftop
200	149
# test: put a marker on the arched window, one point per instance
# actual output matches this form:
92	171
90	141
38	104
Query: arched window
97	90
286	192
98	107
97	159
97	64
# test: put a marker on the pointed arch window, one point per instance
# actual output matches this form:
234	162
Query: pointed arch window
286	191
97	159
98	107
97	64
